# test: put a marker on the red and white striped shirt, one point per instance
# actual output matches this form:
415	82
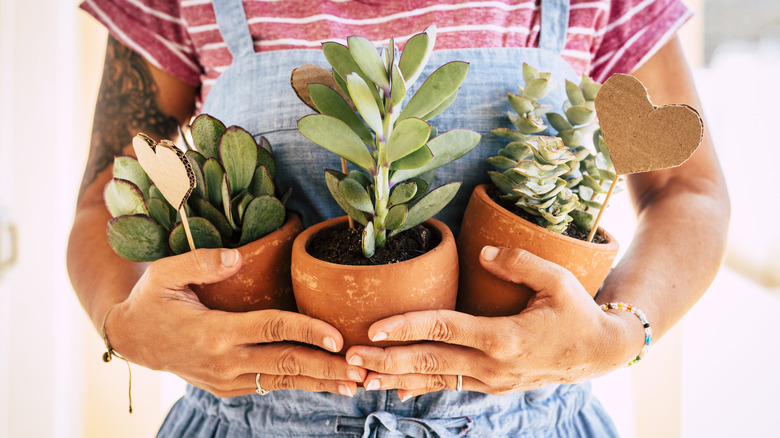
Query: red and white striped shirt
182	38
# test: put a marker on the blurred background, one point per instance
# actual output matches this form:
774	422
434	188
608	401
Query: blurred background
714	375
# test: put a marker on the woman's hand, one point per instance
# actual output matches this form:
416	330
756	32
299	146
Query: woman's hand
163	326
561	337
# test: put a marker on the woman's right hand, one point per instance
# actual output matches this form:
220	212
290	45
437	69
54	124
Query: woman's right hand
163	326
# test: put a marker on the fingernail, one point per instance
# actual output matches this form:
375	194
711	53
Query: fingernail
380	336
345	390
356	361
229	257
372	385
354	376
489	253
330	344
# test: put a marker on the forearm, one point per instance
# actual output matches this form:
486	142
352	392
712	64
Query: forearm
674	256
99	277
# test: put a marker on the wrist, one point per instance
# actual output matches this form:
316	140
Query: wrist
633	332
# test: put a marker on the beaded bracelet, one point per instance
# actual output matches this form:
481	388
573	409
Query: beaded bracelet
639	314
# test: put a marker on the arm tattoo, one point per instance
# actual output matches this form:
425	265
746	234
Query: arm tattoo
127	104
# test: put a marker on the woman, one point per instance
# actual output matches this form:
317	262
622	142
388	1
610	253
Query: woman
520	375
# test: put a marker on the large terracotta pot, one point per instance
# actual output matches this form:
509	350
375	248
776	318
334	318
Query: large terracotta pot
351	298
263	282
485	222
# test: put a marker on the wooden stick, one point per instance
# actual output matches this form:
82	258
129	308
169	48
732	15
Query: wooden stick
187	231
344	171
603	207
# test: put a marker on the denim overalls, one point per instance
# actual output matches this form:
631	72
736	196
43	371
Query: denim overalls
255	93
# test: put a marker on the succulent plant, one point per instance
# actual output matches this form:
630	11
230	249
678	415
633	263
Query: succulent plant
233	202
389	141
557	180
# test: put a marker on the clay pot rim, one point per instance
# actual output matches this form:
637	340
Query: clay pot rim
610	245
299	245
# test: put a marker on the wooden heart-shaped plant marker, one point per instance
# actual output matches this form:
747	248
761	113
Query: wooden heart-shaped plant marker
640	136
171	173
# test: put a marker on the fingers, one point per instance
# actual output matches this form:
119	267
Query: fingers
297	360
245	384
266	326
446	326
522	267
426	358
195	267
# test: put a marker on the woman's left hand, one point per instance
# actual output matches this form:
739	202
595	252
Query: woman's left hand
561	337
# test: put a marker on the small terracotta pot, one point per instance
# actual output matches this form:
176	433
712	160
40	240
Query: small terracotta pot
351	298
263	282
485	222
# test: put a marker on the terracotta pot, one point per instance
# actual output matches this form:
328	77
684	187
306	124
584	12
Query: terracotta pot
485	222
351	298
263	282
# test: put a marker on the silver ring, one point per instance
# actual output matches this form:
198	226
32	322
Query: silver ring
458	387
260	389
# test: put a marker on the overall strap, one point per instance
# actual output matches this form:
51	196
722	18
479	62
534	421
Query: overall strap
555	23
234	27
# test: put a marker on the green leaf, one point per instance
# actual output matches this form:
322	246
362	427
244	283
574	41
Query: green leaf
154	192
571	137
238	152
503	183
594	185
536	89
529	73
330	103
207	211
527	125
227	206
574	93
422	185
396	217
439	86
337	137
366	56
137	238
262	216
445	148
197	169
262	183
416	53
415	160
558	122
240	203
206	131
368	243
579	115
123	198
365	103
355	195
508	134
204	235
397	86
444	105
408	136
213	173
520	104
428	206
360	177
128	168
266	159
160	212
403	193
583	219
501	163
332	179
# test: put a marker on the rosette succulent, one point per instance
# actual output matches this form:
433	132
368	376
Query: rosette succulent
387	138
557	180
233	202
